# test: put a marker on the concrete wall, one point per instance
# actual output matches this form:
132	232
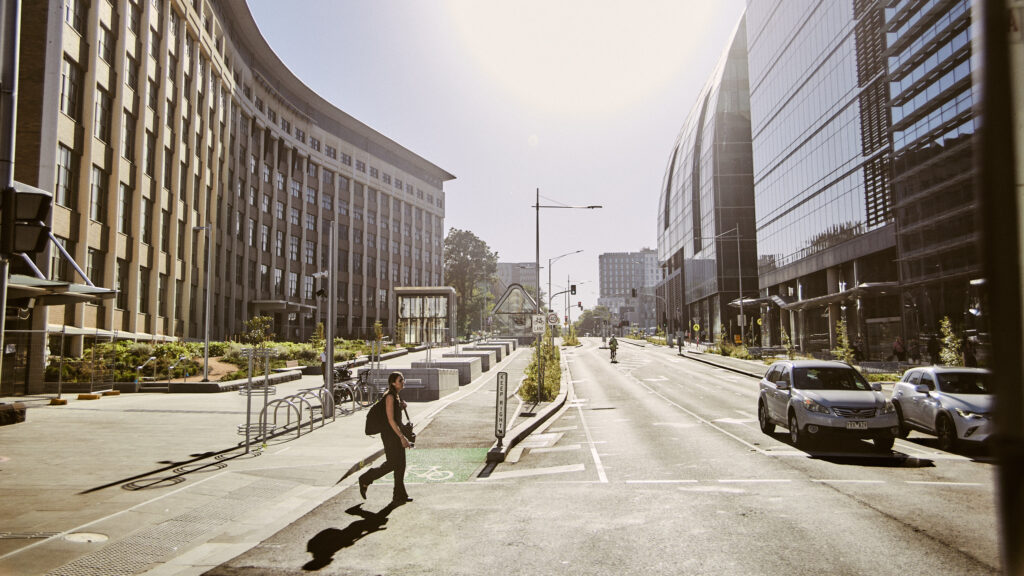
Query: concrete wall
487	358
468	368
422	384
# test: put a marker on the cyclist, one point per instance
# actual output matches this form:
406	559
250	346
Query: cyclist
613	345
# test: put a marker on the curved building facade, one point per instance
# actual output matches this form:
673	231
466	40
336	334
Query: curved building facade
156	121
705	222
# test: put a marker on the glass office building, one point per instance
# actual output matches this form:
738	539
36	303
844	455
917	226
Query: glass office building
708	196
821	159
933	123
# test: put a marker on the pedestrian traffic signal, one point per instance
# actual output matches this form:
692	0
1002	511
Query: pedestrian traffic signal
572	289
580	304
25	210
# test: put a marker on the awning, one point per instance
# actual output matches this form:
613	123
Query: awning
861	290
54	292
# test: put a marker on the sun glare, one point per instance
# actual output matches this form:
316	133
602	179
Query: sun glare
580	57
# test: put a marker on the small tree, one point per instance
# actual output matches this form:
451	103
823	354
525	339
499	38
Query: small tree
787	343
318	339
950	354
257	331
843	351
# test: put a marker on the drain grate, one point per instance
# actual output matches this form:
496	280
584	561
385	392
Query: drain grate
140	551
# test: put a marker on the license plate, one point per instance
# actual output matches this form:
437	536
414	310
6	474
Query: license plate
856	425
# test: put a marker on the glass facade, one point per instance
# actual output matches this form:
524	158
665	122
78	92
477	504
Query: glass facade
425	315
821	155
707	195
933	123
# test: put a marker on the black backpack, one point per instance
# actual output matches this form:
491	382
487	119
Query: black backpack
377	417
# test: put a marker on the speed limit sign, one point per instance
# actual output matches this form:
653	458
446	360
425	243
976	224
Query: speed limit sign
553	318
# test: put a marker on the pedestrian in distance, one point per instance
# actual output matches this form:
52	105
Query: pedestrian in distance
899	350
395	444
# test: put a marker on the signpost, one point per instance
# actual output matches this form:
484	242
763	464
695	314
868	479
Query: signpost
500	407
538	323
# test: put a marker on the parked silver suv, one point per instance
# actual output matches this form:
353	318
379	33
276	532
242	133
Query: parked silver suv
954	404
815	398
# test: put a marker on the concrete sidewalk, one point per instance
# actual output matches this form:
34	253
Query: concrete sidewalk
161	483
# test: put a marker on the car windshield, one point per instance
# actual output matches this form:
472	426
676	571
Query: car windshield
829	379
963	383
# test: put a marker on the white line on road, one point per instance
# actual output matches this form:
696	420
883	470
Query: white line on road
754	481
534	472
593	449
565	448
843	481
661	481
927	483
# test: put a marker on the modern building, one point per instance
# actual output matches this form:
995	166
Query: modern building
627	286
522	273
932	99
820	125
706	243
161	125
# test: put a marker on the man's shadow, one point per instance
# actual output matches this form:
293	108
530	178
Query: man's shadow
324	545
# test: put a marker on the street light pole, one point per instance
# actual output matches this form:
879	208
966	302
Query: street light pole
206	323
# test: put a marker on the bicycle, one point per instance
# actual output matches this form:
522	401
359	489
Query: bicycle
366	393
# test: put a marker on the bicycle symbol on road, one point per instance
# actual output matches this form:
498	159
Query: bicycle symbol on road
429	473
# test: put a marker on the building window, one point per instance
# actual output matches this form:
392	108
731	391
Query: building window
252	232
105	46
94	266
310	195
293	248
279	210
296	188
128	136
124	223
264	238
293	216
146	222
74	14
131	73
70	89
121	284
360	166
279	245
307	287
98	195
142	303
66	177
293	284
149	153
310	252
310	222
161	295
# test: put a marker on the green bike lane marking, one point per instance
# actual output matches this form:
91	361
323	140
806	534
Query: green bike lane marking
438	465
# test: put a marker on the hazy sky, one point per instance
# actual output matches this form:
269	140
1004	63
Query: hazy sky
581	99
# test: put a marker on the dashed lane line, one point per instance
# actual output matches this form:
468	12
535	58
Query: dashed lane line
534	472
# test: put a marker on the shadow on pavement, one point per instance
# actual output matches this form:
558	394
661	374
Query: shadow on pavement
325	544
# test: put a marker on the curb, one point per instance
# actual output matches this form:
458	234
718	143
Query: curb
724	367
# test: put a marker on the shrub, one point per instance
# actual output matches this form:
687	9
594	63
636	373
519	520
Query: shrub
843	351
552	374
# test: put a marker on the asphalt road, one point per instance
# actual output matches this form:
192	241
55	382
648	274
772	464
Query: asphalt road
655	466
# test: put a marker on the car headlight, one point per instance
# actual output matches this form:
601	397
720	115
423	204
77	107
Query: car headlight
968	415
812	406
888	408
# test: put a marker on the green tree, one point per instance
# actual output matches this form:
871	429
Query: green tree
843	350
950	355
468	261
258	331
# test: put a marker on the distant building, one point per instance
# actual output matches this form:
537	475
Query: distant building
522	273
149	118
620	273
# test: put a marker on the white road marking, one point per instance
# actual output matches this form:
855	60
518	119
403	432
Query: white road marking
927	483
534	472
754	481
563	429
657	379
593	449
565	448
844	481
662	481
733	421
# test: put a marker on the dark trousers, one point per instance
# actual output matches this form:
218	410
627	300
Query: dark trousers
394	461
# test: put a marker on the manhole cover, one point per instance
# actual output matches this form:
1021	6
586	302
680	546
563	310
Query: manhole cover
86	537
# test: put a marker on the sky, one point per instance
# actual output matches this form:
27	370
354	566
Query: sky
581	100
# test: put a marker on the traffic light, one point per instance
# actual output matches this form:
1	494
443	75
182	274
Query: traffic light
25	210
572	289
580	304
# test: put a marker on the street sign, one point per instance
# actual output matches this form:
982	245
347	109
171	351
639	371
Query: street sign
538	323
500	406
553	318
742	319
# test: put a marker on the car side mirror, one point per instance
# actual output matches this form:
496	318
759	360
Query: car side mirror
876	386
782	385
921	389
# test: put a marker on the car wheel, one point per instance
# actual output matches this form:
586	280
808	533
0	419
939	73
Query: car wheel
946	432
884	442
904	429
762	418
795	436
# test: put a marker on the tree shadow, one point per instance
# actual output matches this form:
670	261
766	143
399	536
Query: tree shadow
327	542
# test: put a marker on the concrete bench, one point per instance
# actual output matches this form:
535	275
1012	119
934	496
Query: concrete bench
498	349
486	357
511	342
468	368
421	384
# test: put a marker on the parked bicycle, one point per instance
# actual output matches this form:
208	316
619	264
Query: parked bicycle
365	391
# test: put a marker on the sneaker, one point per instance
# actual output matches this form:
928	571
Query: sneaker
363	485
